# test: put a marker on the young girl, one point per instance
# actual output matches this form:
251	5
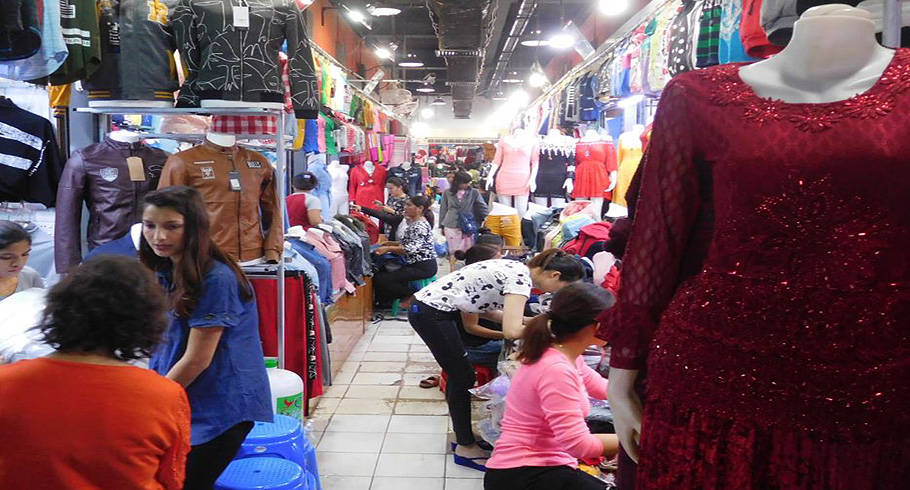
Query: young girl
15	246
212	344
486	286
544	431
417	247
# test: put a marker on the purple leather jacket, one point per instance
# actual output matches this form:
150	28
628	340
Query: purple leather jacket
99	176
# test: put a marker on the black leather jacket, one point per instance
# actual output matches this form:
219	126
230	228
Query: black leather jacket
99	176
241	64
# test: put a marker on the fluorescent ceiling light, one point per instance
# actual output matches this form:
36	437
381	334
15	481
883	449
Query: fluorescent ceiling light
383	11
356	16
613	7
537	80
499	96
438	101
383	53
411	64
512	80
533	43
427	112
426	89
562	41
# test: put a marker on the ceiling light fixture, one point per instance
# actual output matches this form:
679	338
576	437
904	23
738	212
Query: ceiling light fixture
535	40
356	16
383	53
382	11
426	88
562	40
512	80
613	7
411	61
438	101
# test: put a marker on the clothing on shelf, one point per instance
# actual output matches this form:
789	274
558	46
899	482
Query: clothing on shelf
110	181
30	163
50	55
137	53
244	67
784	272
246	223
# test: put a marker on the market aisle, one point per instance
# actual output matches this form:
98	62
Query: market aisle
377	429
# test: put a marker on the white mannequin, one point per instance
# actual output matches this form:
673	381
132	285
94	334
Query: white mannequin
369	167
832	56
518	138
339	175
221	139
406	165
125	136
236	104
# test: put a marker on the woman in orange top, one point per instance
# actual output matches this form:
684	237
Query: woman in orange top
82	417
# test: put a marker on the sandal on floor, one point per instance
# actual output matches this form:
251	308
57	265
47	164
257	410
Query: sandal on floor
471	462
430	382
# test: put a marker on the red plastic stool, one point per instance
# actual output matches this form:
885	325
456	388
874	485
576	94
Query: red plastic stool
482	376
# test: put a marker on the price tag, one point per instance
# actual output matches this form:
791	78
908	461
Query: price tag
234	179
137	169
241	17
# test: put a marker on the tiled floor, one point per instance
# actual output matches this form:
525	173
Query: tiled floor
377	429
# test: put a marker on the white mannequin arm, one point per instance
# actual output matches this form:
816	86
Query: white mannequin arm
569	184
626	409
491	177
614	175
532	182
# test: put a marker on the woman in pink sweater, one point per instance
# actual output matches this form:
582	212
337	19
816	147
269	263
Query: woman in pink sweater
544	431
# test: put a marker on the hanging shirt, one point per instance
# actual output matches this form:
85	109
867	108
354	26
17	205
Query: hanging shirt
235	386
30	163
48	59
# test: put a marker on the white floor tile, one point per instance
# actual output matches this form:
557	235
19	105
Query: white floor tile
421	357
397	483
422	367
415	443
457	471
418	393
372	392
319	421
384	379
392	339
420	348
419	424
382	367
416	340
395	331
464	484
358	423
410	407
335	391
411	465
365	406
386	356
414	379
345	482
346	464
351	442
387	348
344	377
326	405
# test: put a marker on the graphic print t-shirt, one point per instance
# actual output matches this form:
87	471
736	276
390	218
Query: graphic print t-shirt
479	287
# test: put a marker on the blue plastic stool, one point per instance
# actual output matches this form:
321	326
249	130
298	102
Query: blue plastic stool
283	439
261	474
417	286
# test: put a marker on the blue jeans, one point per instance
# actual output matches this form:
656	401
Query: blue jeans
485	354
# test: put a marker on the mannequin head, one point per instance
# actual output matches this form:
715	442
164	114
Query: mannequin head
176	239
553	269
15	247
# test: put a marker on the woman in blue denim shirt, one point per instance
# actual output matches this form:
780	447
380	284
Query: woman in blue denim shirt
212	346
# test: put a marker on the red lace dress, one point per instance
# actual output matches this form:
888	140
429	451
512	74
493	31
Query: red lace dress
784	362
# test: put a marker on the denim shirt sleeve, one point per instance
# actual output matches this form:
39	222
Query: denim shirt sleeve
220	304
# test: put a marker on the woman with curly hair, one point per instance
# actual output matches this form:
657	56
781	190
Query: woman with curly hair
212	344
83	417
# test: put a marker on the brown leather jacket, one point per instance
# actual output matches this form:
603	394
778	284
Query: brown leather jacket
235	215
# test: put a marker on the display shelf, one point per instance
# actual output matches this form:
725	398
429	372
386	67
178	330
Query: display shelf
238	111
200	136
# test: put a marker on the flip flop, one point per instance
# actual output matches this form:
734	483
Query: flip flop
430	382
486	446
471	462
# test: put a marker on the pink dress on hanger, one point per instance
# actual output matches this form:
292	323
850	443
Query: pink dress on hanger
515	164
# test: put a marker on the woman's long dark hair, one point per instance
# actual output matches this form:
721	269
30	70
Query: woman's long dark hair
461	177
198	249
553	259
573	308
422	201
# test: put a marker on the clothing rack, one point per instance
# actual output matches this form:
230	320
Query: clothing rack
103	119
360	93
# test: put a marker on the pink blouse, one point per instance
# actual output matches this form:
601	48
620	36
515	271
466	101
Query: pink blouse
544	424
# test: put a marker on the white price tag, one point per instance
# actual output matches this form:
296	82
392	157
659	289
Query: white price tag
241	17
